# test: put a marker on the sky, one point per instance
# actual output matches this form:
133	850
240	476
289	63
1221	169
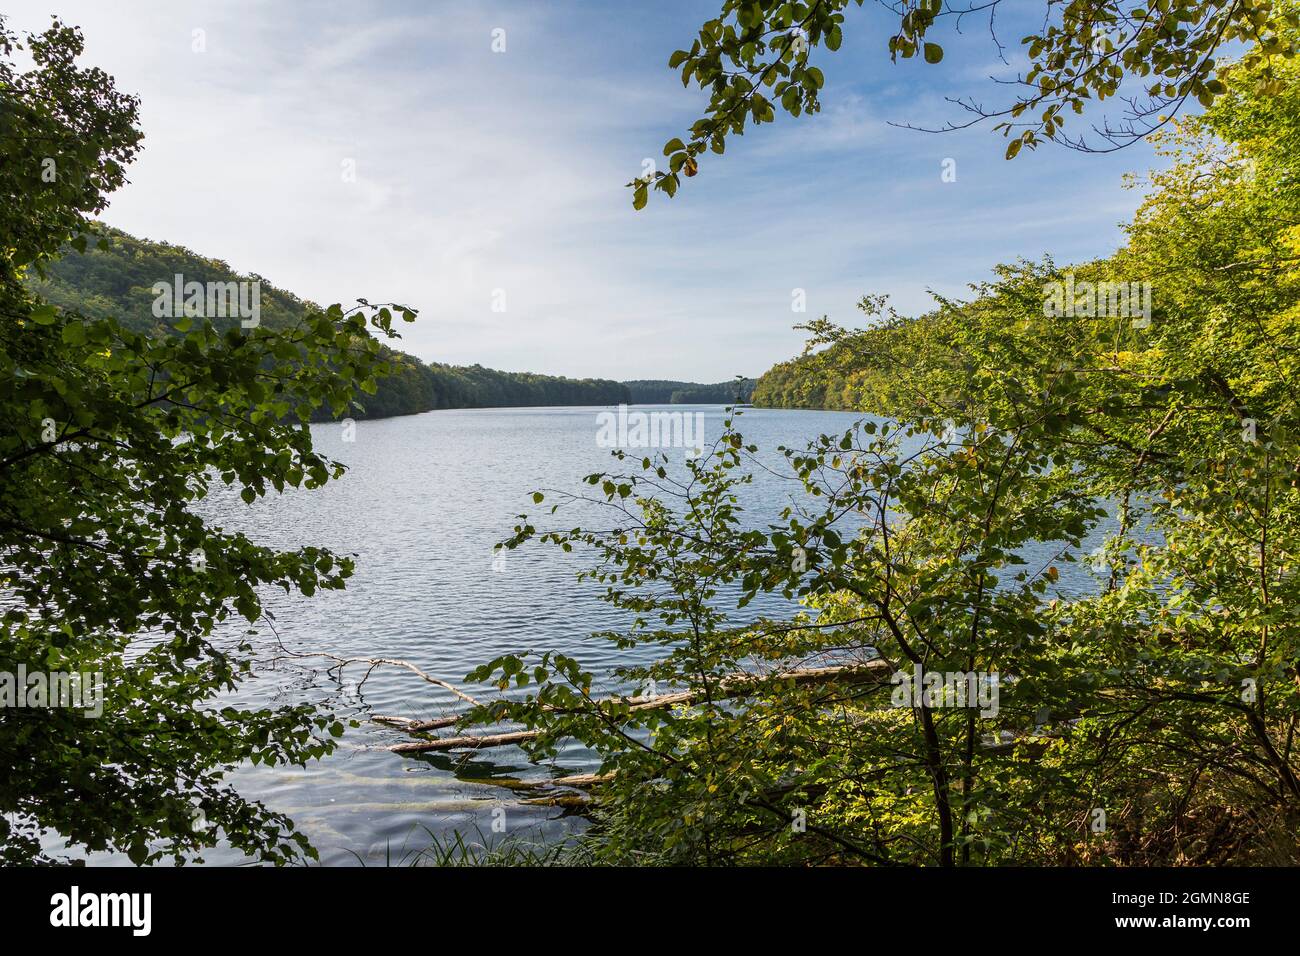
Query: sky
384	150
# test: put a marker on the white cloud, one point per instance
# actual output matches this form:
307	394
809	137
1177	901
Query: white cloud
478	171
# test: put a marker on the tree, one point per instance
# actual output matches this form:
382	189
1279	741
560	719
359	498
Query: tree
756	56
110	439
115	278
1095	511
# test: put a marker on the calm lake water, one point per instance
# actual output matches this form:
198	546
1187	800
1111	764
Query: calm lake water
424	500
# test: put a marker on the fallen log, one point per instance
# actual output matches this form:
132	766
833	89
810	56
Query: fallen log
470	742
580	781
570	801
731	687
416	726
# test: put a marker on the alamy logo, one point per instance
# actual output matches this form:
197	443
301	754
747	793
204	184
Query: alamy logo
1101	300
212	300
650	430
965	689
103	909
39	689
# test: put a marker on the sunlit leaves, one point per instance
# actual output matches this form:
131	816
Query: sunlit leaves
1085	53
1127	666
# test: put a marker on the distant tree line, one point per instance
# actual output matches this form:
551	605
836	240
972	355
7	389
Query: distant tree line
473	386
662	392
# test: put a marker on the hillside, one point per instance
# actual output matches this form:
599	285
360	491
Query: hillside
119	280
865	370
809	381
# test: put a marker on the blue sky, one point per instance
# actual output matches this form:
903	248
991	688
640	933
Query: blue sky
478	171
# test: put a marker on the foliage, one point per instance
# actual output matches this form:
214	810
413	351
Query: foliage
756	56
1148	717
117	280
111	437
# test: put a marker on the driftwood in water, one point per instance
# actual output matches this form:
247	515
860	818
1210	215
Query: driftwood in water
730	687
579	781
415	726
469	742
570	801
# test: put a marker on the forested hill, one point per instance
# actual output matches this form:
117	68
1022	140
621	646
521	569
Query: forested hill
809	381
656	392
862	372
119	280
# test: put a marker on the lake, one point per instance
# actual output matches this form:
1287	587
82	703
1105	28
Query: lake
424	500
